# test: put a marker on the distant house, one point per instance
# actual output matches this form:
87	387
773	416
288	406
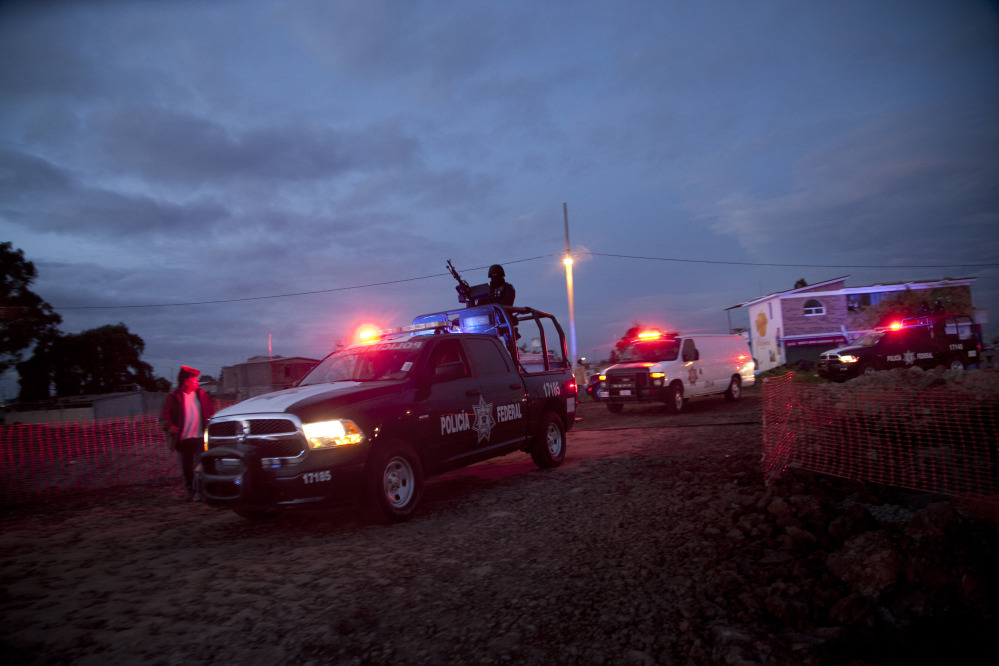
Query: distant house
800	324
262	374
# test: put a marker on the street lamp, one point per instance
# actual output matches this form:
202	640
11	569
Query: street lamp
568	286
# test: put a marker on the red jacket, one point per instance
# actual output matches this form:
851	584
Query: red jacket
172	418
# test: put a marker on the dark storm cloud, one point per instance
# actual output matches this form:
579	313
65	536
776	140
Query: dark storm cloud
183	148
43	197
875	192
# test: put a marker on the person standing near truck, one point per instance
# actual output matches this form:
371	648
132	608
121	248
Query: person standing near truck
185	415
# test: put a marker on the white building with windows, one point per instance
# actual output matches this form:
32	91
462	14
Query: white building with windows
796	325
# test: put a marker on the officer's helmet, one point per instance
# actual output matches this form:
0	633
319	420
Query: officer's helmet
496	271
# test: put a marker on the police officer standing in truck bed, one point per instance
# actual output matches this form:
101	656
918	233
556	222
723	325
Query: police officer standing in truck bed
501	292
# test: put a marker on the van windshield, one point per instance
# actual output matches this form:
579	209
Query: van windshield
653	351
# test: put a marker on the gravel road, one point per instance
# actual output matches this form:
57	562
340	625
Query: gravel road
654	543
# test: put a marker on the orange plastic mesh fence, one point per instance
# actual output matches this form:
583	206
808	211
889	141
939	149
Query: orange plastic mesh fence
39	460
929	435
42	459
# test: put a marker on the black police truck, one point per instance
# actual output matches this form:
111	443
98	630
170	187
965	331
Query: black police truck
373	420
927	341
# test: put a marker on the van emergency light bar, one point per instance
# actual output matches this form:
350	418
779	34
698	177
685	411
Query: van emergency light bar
654	334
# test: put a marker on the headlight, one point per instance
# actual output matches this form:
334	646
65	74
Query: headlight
847	358
329	434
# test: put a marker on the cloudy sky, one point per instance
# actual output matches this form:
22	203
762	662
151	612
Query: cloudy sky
215	175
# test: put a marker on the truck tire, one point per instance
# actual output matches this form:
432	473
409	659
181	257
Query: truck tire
614	407
956	364
548	449
674	398
395	481
734	390
867	369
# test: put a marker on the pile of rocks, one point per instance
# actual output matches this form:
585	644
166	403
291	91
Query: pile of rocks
821	570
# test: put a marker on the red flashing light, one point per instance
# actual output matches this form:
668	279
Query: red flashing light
895	325
649	335
366	333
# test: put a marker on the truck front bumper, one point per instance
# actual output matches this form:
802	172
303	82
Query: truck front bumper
836	371
237	477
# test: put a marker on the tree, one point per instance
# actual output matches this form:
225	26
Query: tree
909	303
100	360
800	284
629	335
25	319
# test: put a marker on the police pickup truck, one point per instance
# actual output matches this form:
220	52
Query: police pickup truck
373	420
927	342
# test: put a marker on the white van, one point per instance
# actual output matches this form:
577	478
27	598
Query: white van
671	368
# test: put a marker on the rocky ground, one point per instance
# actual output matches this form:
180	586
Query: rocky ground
655	543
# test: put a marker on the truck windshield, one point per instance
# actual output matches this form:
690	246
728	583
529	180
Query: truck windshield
868	339
654	350
367	363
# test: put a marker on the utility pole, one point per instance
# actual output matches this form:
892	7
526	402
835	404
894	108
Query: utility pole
568	285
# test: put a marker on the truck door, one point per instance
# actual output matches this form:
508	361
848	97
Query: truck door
501	418
447	403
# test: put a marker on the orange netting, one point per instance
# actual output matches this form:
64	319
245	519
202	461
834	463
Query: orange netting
924	431
38	460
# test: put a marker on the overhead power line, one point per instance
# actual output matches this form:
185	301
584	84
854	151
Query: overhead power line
516	261
749	263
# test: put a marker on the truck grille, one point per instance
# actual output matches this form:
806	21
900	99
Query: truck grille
277	437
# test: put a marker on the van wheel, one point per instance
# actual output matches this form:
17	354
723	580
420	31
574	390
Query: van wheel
674	398
395	481
956	364
614	407
734	390
548	449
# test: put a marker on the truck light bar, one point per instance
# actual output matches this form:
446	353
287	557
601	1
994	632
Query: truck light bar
375	336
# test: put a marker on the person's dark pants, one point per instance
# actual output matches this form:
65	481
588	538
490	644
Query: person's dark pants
189	455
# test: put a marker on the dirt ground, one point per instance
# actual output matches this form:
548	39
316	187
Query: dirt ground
654	543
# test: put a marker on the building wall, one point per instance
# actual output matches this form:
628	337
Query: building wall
87	408
765	326
259	375
796	322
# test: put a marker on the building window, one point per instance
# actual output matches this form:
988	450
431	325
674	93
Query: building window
813	307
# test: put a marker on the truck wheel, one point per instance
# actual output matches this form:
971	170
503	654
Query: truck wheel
867	369
548	449
956	364
614	407
674	398
734	390
395	481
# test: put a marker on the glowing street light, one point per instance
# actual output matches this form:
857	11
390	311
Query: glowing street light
568	286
